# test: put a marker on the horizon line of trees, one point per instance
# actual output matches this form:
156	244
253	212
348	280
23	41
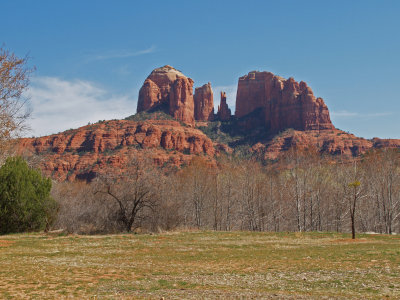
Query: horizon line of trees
303	191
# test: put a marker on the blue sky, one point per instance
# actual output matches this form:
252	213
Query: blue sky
93	56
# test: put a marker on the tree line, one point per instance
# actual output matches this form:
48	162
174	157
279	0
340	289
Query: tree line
303	191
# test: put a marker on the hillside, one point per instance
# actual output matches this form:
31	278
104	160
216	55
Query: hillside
84	152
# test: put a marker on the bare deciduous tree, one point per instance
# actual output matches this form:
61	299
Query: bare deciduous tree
132	191
14	80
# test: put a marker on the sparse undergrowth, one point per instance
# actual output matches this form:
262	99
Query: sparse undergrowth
198	265
143	116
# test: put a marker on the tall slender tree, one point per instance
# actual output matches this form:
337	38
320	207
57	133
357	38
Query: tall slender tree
14	80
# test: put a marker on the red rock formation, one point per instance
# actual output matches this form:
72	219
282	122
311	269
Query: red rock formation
169	89
284	103
333	142
204	103
87	151
181	103
280	104
84	152
149	96
224	112
386	143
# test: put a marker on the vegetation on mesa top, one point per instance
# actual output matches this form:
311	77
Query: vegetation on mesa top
229	132
144	116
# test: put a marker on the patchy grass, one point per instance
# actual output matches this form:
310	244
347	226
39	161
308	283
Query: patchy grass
198	265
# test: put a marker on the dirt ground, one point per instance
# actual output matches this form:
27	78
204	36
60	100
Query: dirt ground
200	265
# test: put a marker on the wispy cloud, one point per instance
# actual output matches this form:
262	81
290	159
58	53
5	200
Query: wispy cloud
123	70
61	104
348	114
343	114
121	54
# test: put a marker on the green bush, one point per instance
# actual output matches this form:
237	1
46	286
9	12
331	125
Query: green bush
144	116
25	201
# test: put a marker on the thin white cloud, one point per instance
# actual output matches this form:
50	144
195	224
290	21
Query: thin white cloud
121	54
348	114
230	91
123	70
343	113
59	105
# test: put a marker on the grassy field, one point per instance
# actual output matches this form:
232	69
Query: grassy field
200	265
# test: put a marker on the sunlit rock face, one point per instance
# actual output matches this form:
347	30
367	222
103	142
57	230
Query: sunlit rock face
284	103
87	151
170	90
204	103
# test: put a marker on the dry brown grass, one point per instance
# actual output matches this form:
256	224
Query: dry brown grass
200	265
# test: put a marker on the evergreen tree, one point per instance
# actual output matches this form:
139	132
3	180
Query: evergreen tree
25	201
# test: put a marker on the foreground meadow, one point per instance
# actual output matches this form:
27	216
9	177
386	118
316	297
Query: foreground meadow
200	265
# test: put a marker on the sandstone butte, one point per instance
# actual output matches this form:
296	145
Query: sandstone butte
266	101
281	103
167	89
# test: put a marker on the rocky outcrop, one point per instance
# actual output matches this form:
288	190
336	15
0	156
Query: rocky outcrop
284	103
224	112
333	142
204	103
181	103
150	96
84	152
169	90
386	143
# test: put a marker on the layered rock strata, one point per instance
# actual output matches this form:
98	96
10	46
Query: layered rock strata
204	103
168	89
284	103
84	152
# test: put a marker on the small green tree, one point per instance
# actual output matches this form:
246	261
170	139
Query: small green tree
25	201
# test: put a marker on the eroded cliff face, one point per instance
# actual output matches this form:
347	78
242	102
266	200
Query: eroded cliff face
224	113
204	103
181	103
332	142
284	103
168	89
91	150
85	152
